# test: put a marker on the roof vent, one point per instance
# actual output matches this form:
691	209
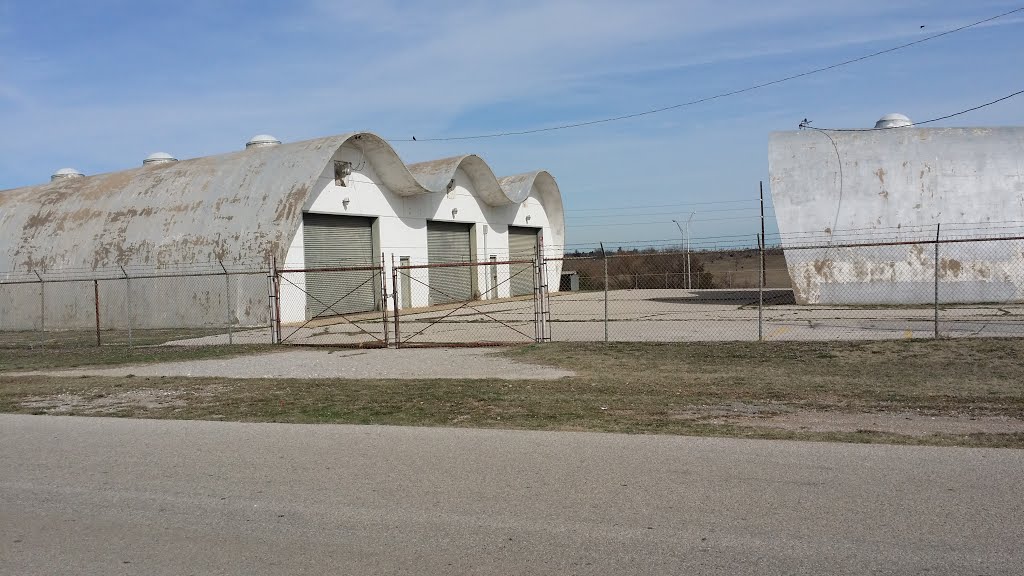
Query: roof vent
262	141
159	158
65	173
893	121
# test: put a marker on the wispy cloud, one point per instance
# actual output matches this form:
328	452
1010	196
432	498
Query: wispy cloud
113	80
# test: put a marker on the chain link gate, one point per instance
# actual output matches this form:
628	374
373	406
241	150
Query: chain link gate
498	319
338	307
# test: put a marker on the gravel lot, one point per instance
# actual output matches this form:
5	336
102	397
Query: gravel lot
410	363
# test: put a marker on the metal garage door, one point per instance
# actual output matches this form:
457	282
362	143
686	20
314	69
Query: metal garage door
449	242
522	245
334	242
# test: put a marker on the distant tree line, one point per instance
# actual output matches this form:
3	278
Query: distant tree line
638	269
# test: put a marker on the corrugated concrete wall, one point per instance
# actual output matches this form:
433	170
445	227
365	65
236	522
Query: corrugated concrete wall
897	185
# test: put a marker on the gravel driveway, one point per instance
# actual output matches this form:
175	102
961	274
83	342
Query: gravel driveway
408	363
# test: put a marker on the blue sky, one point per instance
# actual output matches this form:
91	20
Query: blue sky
98	85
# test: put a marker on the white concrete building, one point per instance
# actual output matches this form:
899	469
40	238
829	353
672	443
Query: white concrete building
898	183
341	201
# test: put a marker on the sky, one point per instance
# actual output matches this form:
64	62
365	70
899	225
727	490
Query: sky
99	85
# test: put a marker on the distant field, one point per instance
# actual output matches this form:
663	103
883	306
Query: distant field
739	268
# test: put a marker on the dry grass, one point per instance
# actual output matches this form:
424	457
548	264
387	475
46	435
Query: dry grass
724	389
739	268
25	359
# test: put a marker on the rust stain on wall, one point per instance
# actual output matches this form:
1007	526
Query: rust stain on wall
950	267
824	269
918	251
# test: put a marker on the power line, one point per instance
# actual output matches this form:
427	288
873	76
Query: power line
947	116
716	96
570	225
697	212
662	205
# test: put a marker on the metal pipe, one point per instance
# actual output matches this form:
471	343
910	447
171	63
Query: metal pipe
689	273
227	302
545	294
96	293
448	265
537	303
764	278
42	303
760	293
384	296
937	228
605	257
128	304
394	297
271	274
904	243
277	299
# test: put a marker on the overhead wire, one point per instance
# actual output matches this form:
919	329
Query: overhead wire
715	202
715	96
630	215
912	124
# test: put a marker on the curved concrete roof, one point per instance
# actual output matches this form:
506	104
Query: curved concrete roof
236	207
436	174
517	190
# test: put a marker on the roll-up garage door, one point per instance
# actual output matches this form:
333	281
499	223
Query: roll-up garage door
449	242
522	245
337	242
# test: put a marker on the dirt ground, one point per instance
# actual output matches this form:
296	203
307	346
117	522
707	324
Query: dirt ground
947	392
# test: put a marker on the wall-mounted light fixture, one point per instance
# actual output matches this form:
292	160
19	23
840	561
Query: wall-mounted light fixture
527	218
345	203
341	170
454	212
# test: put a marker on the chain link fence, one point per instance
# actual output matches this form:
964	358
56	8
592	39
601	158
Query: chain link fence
136	307
917	287
473	303
342	307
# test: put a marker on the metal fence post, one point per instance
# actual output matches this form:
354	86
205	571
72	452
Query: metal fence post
394	298
42	305
277	301
760	291
604	255
545	292
937	228
271	296
128	304
227	302
536	303
96	294
384	297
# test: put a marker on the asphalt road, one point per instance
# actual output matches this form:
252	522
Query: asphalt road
106	496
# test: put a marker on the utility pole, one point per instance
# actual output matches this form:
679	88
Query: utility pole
764	273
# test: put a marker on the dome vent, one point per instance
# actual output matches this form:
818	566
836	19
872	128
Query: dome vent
159	158
893	121
262	141
65	173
